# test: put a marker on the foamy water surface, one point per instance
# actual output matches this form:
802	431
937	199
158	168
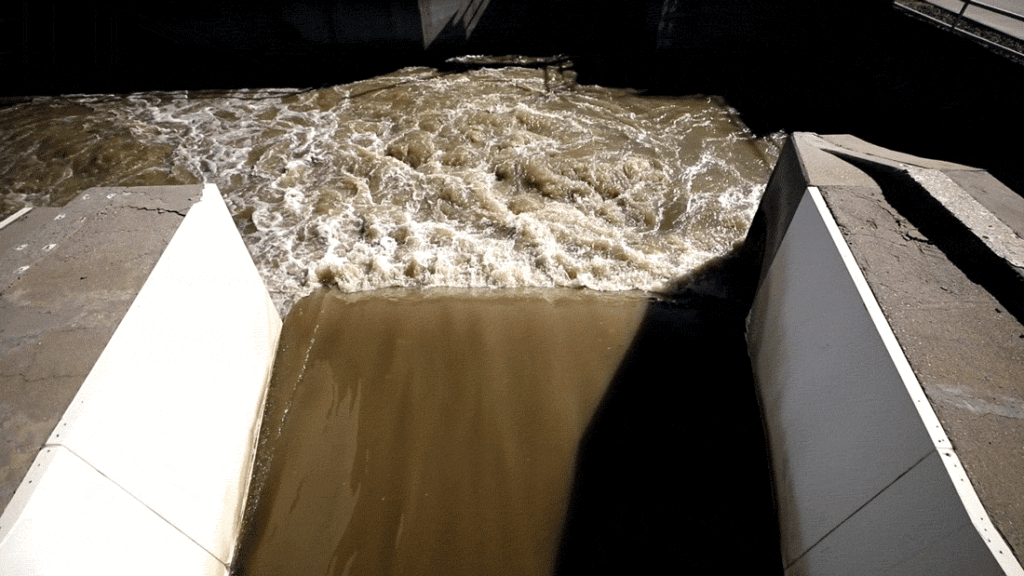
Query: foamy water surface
510	177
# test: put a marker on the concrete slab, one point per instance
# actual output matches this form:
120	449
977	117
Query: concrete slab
171	409
966	349
986	225
986	217
67	277
127	538
813	358
943	536
993	195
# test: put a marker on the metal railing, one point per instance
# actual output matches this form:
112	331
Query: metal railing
984	6
955	25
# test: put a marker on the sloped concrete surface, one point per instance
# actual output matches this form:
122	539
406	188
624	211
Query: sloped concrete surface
67	277
64	482
148	467
964	342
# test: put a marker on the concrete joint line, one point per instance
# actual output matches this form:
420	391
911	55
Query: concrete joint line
134	497
969	498
859	508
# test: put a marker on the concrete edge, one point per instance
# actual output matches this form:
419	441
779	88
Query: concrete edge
802	165
15	216
968	496
163	429
983	219
990	227
850	144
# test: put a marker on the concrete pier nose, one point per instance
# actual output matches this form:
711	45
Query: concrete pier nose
888	350
67	277
148	467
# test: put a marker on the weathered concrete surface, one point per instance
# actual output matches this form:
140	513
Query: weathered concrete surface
976	227
965	346
67	277
992	212
992	194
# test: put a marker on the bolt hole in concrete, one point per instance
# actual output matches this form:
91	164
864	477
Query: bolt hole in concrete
538	426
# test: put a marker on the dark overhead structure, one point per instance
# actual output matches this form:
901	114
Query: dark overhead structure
864	68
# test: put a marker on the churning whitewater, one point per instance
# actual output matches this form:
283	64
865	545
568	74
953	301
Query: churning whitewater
494	177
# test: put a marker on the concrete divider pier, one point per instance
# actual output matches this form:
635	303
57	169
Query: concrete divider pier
67	276
889	367
147	469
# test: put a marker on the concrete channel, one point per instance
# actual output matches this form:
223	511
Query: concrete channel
885	340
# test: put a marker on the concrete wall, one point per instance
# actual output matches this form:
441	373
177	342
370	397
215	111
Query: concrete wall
866	481
148	469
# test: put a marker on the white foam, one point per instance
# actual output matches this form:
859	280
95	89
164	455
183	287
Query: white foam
479	179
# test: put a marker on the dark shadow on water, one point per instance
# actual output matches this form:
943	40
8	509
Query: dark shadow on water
672	472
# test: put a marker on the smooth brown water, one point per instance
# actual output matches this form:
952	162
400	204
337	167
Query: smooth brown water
428	432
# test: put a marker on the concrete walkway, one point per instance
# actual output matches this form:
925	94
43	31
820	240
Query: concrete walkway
996	24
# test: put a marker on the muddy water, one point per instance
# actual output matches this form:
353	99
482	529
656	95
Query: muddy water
434	432
510	177
428	432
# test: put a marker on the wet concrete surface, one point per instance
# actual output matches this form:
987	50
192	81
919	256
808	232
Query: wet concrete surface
67	277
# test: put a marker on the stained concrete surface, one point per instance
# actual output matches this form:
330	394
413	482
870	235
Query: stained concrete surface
965	346
67	277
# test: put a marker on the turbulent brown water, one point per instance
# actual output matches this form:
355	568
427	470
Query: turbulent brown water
510	177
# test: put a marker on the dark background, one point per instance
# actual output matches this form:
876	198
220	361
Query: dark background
828	67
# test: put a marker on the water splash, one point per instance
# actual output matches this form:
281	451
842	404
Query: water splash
510	177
